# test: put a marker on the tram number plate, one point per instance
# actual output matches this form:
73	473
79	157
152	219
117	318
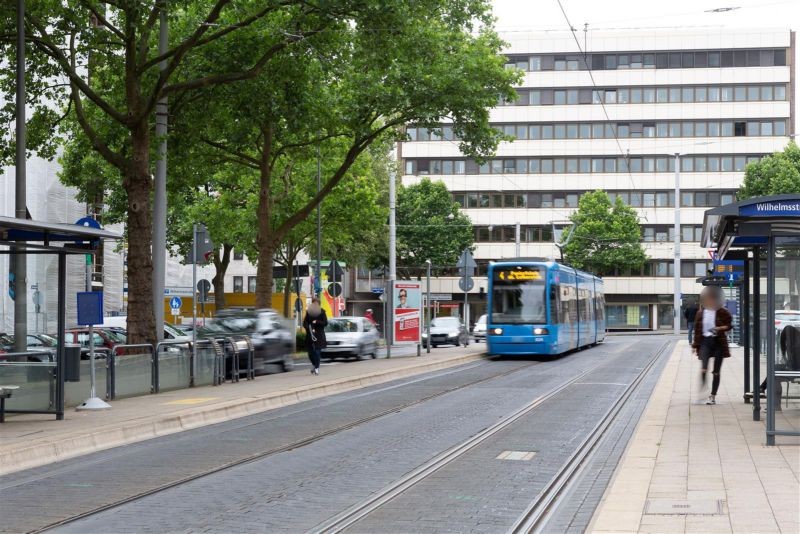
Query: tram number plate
538	339
518	339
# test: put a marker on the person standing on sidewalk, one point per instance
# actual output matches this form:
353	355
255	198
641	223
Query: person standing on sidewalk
690	313
315	322
710	338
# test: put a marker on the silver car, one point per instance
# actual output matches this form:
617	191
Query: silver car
784	318
349	337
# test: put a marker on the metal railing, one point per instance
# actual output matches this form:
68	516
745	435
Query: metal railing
130	370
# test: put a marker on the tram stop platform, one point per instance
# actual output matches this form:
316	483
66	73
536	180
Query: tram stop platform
691	467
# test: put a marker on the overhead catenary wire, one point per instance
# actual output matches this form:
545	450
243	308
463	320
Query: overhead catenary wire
572	29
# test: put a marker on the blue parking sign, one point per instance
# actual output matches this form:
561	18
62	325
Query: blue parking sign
90	308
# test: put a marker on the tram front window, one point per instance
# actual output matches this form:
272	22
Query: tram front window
518	296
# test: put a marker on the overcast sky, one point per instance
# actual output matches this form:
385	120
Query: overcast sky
546	14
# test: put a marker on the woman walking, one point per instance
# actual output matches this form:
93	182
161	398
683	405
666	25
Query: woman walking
710	338
315	322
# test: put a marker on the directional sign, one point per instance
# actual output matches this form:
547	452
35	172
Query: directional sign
175	303
732	270
466	283
466	260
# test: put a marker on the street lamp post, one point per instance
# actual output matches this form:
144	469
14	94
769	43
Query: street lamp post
676	304
428	306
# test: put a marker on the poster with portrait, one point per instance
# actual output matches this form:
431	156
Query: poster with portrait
407	304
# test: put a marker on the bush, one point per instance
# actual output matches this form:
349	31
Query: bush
300	338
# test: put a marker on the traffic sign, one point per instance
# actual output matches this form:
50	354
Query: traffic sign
377	290
175	303
175	311
466	283
466	260
335	289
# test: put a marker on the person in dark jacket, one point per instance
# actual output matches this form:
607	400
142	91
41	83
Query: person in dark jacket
315	322
710	340
690	313
790	353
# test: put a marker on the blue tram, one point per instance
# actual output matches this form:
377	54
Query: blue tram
543	308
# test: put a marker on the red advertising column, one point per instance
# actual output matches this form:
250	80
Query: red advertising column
407	312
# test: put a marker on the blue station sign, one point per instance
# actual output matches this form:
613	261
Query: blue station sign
731	270
775	208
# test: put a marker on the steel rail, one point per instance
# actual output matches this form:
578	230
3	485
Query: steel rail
276	450
358	511
540	510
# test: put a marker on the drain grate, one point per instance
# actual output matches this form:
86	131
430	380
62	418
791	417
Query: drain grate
682	507
522	456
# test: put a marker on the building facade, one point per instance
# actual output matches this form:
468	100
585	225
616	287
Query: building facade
611	115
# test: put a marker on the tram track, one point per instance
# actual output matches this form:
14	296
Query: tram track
277	450
545	503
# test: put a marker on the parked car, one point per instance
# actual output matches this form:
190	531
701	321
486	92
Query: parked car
446	331
273	342
784	318
104	338
479	331
171	333
354	337
43	345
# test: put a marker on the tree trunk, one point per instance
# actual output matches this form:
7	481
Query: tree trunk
141	318
265	239
220	268
287	292
266	260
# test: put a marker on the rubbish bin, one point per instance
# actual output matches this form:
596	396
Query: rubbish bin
72	362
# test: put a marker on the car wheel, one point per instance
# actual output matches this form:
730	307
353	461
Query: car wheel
361	355
288	363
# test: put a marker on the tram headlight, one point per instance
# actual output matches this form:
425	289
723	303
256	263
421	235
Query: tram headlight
540	331
497	331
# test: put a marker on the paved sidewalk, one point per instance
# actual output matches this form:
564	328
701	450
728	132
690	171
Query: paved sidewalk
28	441
696	468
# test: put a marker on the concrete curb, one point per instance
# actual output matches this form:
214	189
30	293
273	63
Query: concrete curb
135	430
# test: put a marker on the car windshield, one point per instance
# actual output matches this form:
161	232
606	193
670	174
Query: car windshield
174	332
117	336
445	322
482	319
342	325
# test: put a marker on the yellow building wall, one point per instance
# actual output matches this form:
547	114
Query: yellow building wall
233	300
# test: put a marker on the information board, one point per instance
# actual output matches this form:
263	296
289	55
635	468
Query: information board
407	304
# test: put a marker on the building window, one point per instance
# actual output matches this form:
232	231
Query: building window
238	283
251	284
238	255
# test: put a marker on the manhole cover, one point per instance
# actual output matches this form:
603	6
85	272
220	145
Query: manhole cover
681	507
523	456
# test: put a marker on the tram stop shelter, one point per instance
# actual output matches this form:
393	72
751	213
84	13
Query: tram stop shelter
765	233
42	386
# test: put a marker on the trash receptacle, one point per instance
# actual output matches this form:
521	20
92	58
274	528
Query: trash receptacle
72	362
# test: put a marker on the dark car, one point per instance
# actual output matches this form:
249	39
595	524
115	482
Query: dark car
446	331
273	342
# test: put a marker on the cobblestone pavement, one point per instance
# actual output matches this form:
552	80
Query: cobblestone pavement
294	490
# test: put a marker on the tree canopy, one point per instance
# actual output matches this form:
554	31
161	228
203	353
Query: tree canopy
430	226
605	235
776	174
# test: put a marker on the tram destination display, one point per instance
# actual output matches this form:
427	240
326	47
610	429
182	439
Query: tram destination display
524	274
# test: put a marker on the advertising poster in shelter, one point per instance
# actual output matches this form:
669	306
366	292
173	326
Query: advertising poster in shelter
407	308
